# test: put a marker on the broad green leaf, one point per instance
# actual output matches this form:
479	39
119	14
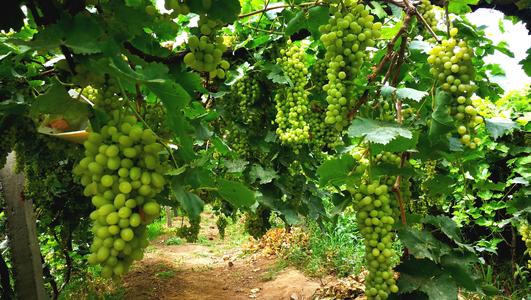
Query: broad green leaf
441	122
191	203
263	175
336	170
409	93
236	193
439	185
458	266
499	126
399	144
235	165
224	10
425	276
461	6
376	131
422	244
57	101
445	224
526	63
310	19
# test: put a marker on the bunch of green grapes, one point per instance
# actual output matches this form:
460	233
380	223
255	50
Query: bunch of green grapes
426	9
207	50
451	64
376	216
318	73
376	213
241	100
179	7
319	131
292	102
237	139
104	99
525	231
155	118
122	173
346	37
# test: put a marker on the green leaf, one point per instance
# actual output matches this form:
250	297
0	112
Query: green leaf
439	185
310	19
458	269
57	101
336	170
376	131
399	144
499	126
224	10
264	175
408	93
422	244
236	193
191	203
236	165
461	6
445	224
441	122
526	63
425	276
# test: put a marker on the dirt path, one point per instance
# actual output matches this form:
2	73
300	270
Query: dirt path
212	269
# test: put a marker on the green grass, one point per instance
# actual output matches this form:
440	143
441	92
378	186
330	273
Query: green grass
91	286
175	241
165	274
335	249
273	271
155	229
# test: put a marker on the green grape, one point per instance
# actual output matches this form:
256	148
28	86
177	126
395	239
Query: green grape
451	65
291	102
346	37
155	117
115	158
206	51
427	10
178	7
525	231
318	73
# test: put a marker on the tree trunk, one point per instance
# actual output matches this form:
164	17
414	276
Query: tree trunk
168	216
22	235
7	291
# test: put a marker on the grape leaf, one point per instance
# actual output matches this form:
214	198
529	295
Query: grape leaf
422	244
264	175
526	63
57	101
235	165
409	93
191	203
336	170
499	126
310	19
236	193
445	224
224	10
425	276
461	6
441	122
376	131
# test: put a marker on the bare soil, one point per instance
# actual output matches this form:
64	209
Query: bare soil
215	269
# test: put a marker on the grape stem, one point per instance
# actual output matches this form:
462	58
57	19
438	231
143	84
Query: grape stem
267	8
411	9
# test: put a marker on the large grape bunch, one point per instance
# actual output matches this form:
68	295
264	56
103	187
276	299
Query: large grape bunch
427	10
207	50
451	64
348	33
241	100
122	173
376	213
525	231
292	102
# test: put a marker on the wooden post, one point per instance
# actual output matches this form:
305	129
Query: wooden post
22	235
168	216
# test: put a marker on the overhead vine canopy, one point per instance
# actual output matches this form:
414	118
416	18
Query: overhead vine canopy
384	108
